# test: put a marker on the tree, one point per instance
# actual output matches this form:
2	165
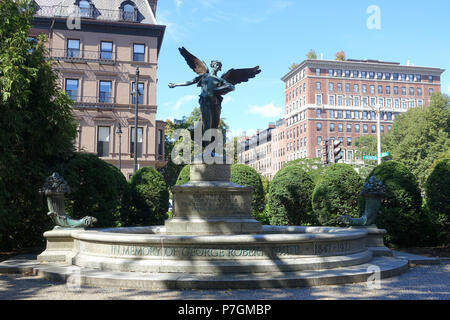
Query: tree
314	167
420	135
290	197
337	194
293	66
340	56
171	170
311	55
150	198
37	128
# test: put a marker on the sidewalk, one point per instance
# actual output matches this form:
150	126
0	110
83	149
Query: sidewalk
420	282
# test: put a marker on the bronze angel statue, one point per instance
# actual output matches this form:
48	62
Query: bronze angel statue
213	86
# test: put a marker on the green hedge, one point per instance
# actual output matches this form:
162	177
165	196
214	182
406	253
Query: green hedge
184	175
402	215
337	194
149	198
98	189
290	195
247	176
437	191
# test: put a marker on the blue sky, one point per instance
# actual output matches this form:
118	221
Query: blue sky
275	33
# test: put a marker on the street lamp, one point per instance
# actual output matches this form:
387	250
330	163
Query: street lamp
119	133
136	92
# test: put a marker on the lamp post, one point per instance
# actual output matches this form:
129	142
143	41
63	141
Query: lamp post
136	92
119	133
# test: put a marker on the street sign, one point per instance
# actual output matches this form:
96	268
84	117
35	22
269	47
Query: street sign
370	158
384	154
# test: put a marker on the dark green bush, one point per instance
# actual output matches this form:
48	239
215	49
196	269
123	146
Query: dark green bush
184	176
437	190
402	215
247	176
149	197
337	194
98	189
290	195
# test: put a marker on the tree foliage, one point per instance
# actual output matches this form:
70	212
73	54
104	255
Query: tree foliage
311	55
98	189
437	193
402	215
337	194
149	198
290	195
314	167
37	128
420	135
340	56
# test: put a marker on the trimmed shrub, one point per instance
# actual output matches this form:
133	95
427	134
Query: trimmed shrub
437	193
290	195
247	176
150	198
184	176
98	189
337	194
401	214
314	167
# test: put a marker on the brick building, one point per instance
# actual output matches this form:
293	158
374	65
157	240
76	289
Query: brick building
336	100
97	46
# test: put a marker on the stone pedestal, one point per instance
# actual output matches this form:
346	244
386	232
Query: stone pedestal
60	244
375	241
210	204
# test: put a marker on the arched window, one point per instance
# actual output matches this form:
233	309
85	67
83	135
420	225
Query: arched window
85	8
129	12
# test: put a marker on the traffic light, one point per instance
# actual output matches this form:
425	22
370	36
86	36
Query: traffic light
325	153
337	151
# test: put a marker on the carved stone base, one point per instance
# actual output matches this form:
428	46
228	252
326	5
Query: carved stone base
375	241
211	204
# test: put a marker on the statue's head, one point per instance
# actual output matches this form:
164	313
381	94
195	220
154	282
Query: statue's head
216	65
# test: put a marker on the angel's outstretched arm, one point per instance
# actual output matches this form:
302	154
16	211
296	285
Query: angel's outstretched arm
183	84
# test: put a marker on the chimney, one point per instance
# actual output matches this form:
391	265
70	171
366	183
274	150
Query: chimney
153	5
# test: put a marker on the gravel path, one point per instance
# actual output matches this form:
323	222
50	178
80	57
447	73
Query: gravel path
421	282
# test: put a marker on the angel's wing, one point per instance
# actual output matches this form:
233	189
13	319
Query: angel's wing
236	76
196	64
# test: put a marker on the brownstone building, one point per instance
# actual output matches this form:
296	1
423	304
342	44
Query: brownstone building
97	45
336	100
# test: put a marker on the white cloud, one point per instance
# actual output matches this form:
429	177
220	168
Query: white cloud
267	111
178	3
183	100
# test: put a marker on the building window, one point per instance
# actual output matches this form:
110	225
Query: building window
349	142
348	102
355	88
364	88
339	87
318	99
379	75
365	101
141	93
364	115
319	140
380	89
339	114
387	76
72	88
350	154
348	114
347	87
105	91
371	75
331	86
339	101
139	142
395	90
381	102
319	126
430	91
396	103
372	102
347	73
332	113
106	50
103	141
317	85
129	12
356	114
138	52
331	127
331	100
349	128
430	79
85	8
395	76
365	128
357	128
418	77
372	89
340	127
419	92
356	101
318	113
330	72
73	48
339	73
318	72
389	103
374	128
363	74
404	91
388	90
